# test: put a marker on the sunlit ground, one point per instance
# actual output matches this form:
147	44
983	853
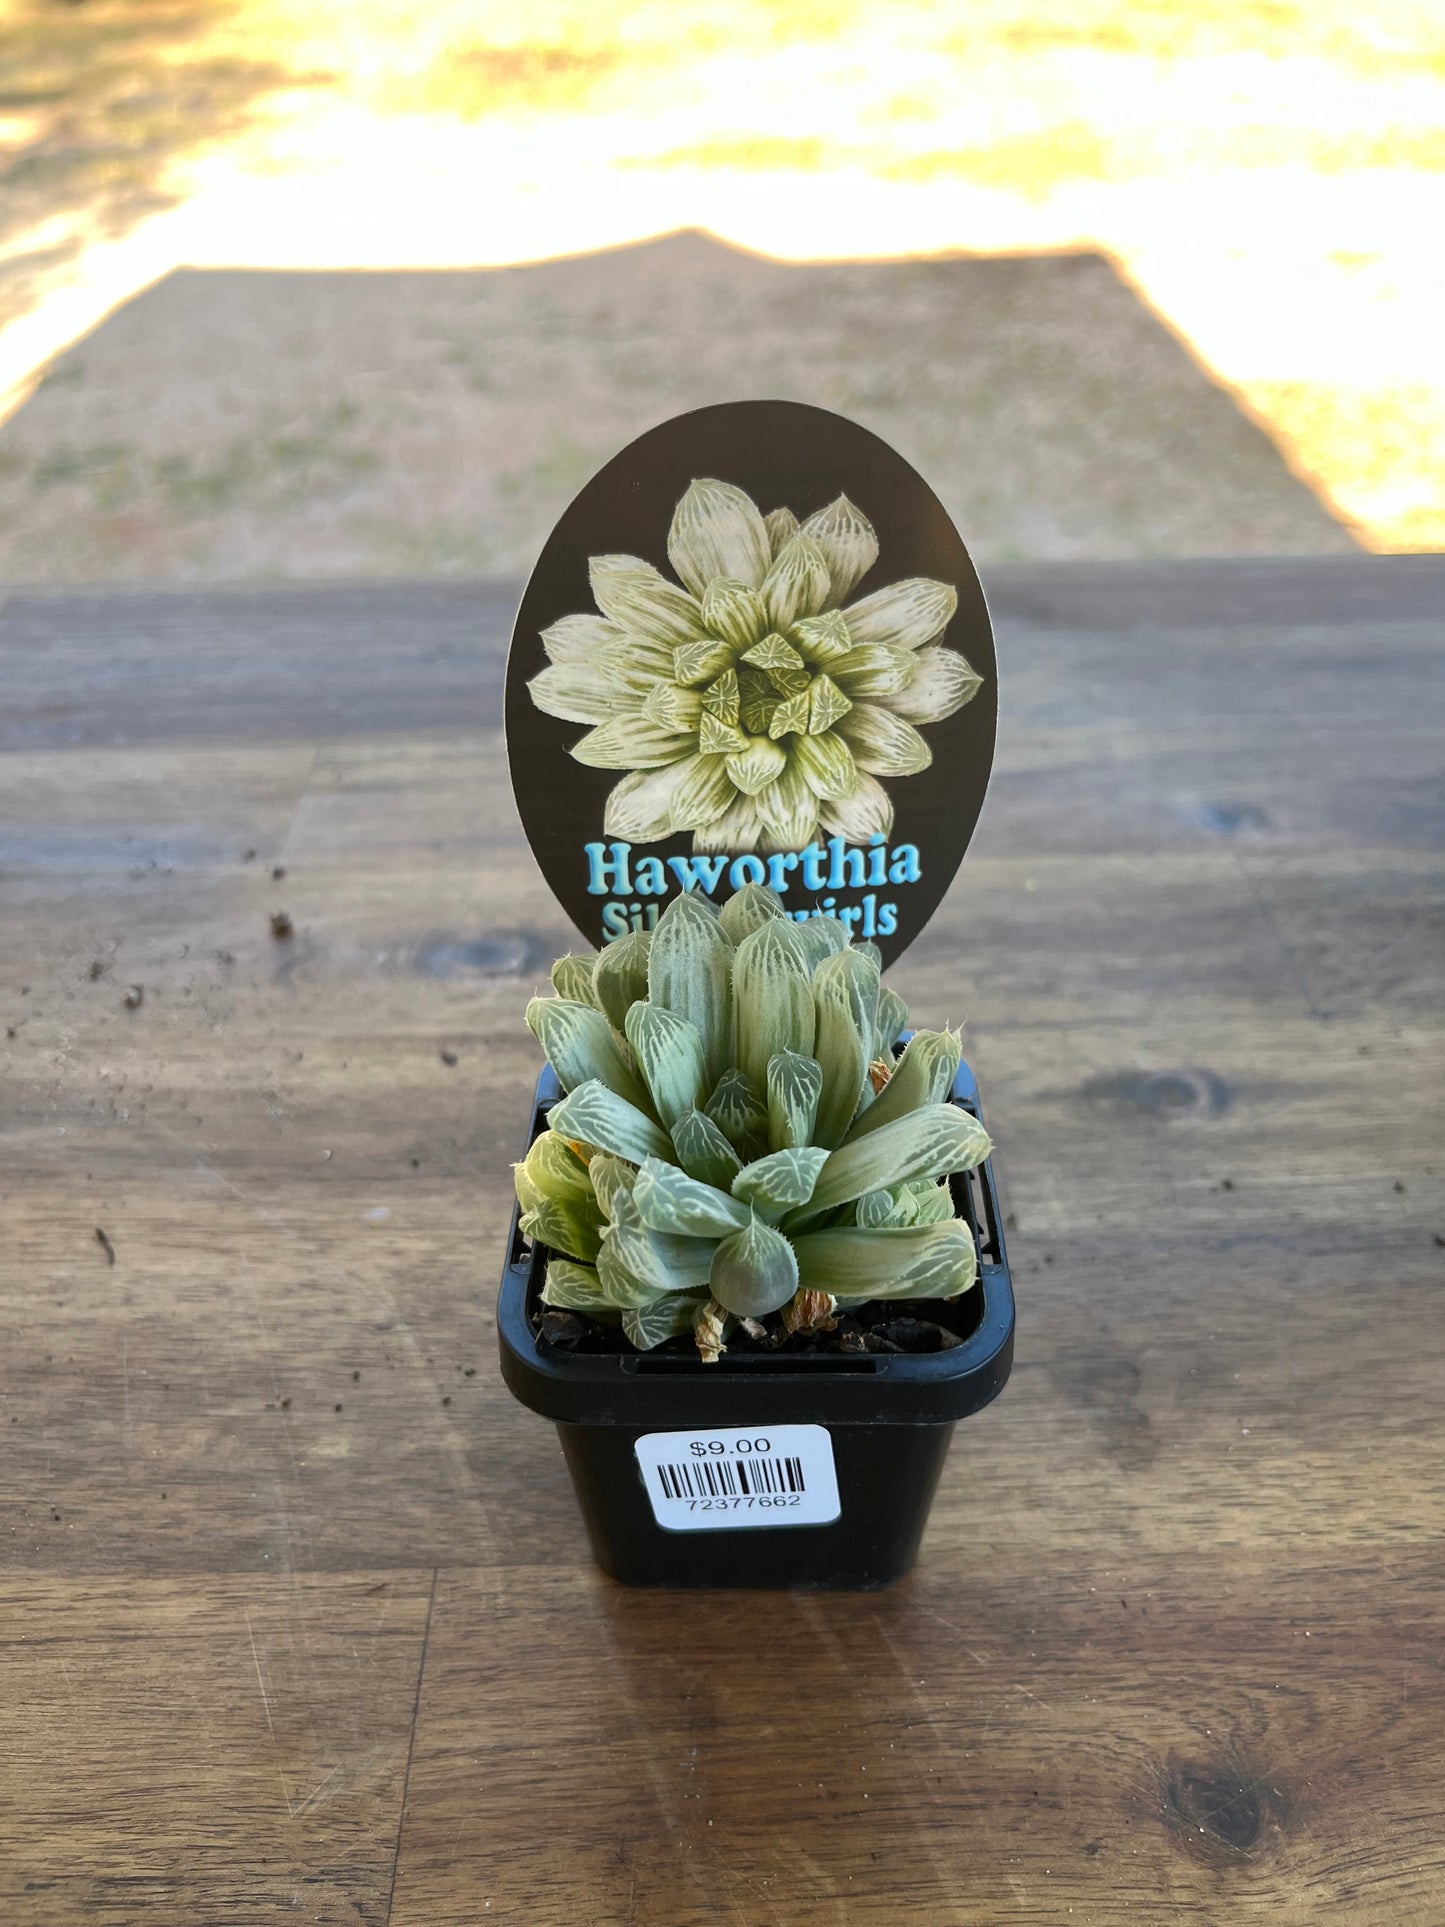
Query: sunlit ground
1269	175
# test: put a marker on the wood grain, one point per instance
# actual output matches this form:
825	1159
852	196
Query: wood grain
1172	1652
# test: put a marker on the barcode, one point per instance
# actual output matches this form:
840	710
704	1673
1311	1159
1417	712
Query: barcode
731	1478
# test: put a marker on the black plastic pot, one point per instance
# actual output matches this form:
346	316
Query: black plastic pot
658	1436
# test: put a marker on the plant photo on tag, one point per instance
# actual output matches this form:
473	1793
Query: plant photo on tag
753	650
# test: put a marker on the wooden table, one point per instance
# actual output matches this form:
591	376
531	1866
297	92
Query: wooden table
296	1617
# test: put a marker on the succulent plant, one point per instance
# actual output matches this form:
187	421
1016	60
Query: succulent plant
737	1138
748	706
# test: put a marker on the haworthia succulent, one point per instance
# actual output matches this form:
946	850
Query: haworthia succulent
927	1144
703	1152
924	1074
942	683
822	937
619	976
772	998
754	1271
845	996
670	1201
593	1114
552	1169
568	1225
906	1261
891	1022
670	1053
849	546
882	743
620	1282
610	1177
641	600
572	978
673	1316
572	1287
580	1047
670	1262
774	1184
794	1086
749	909
933	1204
717	530
907	614
689	972
738	1113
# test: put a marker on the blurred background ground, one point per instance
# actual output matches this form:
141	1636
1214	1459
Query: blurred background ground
370	289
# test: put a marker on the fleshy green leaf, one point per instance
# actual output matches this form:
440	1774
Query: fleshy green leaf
928	1143
890	1022
580	693
672	707
703	1152
866	811
845	996
552	1169
797	584
883	743
907	614
903	1261
827	705
849	546
772	999
689	972
795	1084
668	1200
822	639
782	526
944	681
638	597
700	663
572	977
717	738
822	935
631	742
657	1258
672	1316
639	808
705	792
580	1046
827	765
933	1204
879	671
761	763
717	530
578	638
734	612
720	698
924	1074
789	807
780	1181
622	1287
740	828
738	1113
611	1177
572	1287
593	1114
748	909
671	1055
566	1225
620	977
754	1271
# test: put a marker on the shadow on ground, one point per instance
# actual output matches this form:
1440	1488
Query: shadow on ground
245	424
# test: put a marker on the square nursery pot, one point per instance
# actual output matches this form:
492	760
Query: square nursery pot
768	1470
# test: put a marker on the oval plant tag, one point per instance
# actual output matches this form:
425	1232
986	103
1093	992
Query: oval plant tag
753	650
